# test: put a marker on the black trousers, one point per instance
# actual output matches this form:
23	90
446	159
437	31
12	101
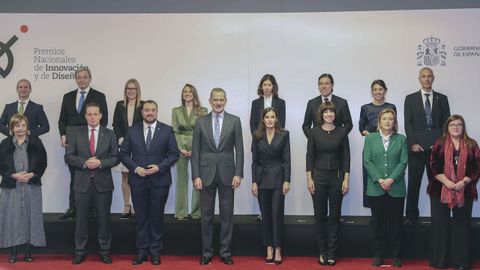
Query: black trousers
450	245
226	199
387	214
366	199
417	162
327	199
149	203
271	203
101	201
71	194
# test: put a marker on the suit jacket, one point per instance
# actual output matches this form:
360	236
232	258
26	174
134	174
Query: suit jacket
381	164
416	120
78	151
342	115
69	115
37	119
257	110
271	164
163	152
37	161
227	159
120	120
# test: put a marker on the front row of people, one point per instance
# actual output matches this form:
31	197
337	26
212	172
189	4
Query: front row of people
149	149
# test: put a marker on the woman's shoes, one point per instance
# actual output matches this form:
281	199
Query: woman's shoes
322	260
13	255
28	253
127	214
269	261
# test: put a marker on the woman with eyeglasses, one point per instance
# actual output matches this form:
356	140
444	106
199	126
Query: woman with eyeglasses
455	165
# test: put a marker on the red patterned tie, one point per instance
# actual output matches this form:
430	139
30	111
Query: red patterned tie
92	146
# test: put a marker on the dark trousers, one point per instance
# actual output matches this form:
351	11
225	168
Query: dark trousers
328	199
207	199
366	199
149	203
387	214
71	194
416	166
450	245
102	201
271	203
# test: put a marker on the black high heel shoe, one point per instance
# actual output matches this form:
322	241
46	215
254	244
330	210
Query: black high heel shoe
28	253
13	255
321	260
127	215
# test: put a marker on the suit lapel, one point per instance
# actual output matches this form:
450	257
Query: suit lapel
435	105
421	108
141	135
27	108
209	128
225	126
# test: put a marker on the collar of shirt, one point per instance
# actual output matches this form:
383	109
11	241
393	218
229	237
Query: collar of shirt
424	98
24	104
86	91
220	115
329	97
90	128
152	126
267	101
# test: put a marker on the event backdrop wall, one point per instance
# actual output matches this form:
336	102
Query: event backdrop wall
233	51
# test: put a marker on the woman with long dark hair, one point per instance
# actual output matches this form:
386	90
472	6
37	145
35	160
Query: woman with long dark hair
271	179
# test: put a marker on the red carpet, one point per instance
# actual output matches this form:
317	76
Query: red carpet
120	262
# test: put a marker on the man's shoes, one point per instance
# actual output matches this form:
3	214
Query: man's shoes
78	259
105	258
139	259
69	214
205	260
410	222
377	261
397	262
156	260
227	260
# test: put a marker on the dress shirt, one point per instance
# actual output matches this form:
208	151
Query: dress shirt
424	98
80	94
329	97
220	120
24	105
267	102
145	129
95	135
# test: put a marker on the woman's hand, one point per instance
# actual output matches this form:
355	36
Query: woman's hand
255	189
345	186
286	187
311	186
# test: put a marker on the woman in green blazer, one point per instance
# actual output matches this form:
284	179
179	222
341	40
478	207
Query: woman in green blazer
385	157
183	121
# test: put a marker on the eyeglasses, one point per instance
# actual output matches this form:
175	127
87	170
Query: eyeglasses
455	125
131	88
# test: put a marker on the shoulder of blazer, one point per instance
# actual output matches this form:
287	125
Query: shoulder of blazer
339	100
70	95
315	99
257	101
438	95
119	103
416	94
176	109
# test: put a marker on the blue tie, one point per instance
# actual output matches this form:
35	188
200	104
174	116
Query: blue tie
216	133
428	112
81	101
148	142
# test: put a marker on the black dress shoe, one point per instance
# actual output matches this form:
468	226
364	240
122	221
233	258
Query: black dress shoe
105	258
460	267
269	261
13	255
69	214
156	260
277	262
139	259
377	261
28	253
331	262
410	222
205	260
227	260
397	262
78	259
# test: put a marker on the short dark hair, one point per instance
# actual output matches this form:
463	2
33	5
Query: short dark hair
325	106
327	75
150	101
93	104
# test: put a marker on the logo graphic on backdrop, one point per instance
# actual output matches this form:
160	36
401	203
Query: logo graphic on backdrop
431	53
5	50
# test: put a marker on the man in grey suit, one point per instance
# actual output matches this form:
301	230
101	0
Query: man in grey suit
217	164
92	151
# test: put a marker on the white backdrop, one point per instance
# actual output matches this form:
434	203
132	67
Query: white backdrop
233	51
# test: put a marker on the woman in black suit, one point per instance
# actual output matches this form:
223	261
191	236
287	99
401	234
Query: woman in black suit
271	179
328	167
127	112
268	97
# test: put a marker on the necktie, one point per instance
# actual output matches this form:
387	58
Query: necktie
81	101
92	147
22	108
325	99
216	132
148	142
428	112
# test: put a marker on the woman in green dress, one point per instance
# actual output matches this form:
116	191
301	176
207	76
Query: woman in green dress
183	121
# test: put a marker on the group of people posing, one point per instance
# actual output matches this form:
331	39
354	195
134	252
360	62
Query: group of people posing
212	143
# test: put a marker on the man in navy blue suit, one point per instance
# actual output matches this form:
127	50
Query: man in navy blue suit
37	119
148	151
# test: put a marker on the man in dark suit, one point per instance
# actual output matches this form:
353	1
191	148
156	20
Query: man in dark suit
217	164
92	150
342	115
72	114
37	120
425	114
148	151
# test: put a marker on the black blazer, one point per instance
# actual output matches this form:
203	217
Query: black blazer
69	115
271	164
258	107
416	120
120	121
37	161
37	119
342	116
